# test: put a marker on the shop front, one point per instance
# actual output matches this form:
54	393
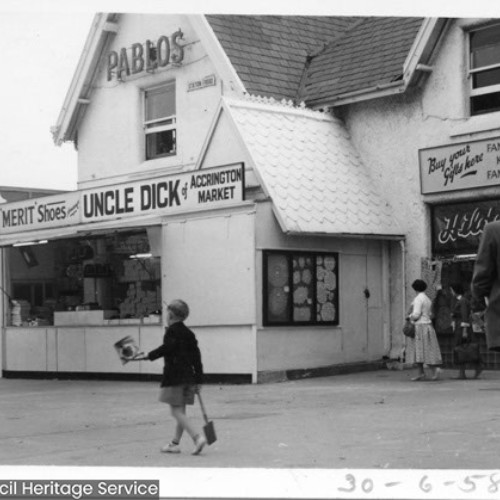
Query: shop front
81	270
458	181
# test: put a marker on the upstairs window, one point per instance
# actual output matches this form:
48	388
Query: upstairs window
300	288
484	68
160	121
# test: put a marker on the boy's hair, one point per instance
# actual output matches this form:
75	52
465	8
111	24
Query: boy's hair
179	309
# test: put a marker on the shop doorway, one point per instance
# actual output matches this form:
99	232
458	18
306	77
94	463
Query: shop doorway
457	270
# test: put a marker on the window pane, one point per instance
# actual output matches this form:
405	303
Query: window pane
277	289
303	292
485	45
485	103
326	288
486	78
160	144
160	103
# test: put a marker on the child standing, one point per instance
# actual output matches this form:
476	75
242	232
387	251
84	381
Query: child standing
182	373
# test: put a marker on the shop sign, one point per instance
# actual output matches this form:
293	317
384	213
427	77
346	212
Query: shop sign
40	213
197	190
457	227
208	81
147	56
467	165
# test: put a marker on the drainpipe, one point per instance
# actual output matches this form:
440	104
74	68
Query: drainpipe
403	269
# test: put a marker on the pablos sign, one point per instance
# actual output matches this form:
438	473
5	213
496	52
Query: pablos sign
468	165
198	190
146	56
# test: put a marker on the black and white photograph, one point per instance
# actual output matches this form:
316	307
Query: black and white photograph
249	251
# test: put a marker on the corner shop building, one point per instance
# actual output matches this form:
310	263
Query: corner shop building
260	214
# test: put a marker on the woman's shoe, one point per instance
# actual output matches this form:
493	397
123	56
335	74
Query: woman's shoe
418	377
437	372
199	444
479	370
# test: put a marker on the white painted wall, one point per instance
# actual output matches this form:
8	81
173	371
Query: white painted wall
353	340
389	132
111	137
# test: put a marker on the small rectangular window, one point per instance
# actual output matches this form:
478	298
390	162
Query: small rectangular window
160	121
300	288
484	69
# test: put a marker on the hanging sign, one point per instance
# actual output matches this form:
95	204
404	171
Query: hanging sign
457	228
40	213
196	190
467	165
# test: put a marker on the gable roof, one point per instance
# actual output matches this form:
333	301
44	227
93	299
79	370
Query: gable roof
310	169
371	53
270	53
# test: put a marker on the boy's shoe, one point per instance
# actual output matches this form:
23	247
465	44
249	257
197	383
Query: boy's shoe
199	443
171	448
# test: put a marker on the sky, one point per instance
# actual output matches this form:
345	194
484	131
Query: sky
42	41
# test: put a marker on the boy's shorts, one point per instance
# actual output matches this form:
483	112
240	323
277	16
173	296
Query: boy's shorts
177	395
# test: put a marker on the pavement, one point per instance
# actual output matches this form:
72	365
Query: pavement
369	420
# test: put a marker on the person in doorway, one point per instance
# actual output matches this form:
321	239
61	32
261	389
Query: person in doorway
462	326
485	284
182	374
423	349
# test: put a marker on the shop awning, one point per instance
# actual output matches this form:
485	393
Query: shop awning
309	167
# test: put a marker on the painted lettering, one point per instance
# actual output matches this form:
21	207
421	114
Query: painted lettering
492	146
18	216
216	194
466	224
159	195
435	165
108	203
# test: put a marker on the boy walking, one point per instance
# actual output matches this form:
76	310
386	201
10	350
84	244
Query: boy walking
182	374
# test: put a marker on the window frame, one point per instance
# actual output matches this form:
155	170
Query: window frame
157	125
290	254
481	91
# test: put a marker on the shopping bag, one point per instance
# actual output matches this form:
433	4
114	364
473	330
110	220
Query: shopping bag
409	329
466	353
208	428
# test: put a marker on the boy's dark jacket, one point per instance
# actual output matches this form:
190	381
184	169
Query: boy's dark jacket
182	356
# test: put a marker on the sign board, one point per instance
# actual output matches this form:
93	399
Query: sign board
198	190
468	165
40	213
195	190
457	227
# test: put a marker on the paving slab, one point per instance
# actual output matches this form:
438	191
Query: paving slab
367	420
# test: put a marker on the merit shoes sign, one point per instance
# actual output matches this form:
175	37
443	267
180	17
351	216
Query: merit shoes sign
191	191
468	165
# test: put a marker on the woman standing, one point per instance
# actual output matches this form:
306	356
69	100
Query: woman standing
423	349
462	327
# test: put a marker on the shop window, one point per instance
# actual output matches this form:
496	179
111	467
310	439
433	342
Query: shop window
160	121
484	69
300	288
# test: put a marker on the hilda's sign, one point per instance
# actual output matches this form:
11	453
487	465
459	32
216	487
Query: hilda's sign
457	227
146	56
468	165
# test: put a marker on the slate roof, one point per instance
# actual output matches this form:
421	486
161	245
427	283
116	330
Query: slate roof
269	53
370	53
312	172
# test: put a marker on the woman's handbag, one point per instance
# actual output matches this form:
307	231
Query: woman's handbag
409	329
466	353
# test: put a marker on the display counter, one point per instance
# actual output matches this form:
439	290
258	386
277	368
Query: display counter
85	349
